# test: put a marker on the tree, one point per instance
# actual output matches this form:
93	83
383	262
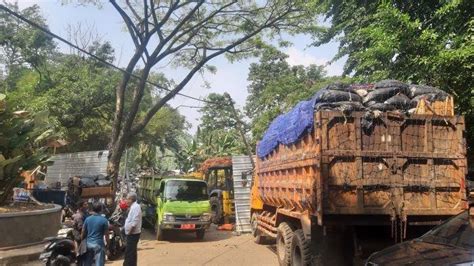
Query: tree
22	139
221	131
220	118
162	134
427	42
23	45
80	91
275	87
79	97
187	34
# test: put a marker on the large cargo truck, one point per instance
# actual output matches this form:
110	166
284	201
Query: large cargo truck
320	196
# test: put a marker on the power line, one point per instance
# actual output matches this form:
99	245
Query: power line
189	106
48	32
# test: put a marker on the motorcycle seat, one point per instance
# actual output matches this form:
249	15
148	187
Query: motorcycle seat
53	238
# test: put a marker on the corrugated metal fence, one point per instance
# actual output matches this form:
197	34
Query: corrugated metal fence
241	164
67	165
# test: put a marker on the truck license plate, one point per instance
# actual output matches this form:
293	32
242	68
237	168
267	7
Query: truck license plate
188	226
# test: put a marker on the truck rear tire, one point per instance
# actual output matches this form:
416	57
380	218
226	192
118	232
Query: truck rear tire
300	249
216	210
283	244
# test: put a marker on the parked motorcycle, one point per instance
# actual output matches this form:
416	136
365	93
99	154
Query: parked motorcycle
60	250
116	237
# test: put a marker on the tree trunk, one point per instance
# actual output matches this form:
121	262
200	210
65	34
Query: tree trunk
113	163
8	189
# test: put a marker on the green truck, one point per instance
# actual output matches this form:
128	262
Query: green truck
175	204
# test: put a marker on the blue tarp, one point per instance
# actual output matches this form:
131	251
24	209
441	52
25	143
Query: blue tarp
288	128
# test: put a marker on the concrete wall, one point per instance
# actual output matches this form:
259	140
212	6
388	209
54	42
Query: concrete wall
29	227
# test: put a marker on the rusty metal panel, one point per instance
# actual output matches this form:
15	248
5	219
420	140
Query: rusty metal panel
404	165
67	165
241	164
287	179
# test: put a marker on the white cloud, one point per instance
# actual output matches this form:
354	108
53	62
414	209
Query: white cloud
299	57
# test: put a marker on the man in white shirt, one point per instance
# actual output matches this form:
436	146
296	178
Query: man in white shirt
133	228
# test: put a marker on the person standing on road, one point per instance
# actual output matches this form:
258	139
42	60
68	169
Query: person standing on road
79	217
133	228
94	230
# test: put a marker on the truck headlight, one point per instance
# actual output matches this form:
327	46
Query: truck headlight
205	217
169	217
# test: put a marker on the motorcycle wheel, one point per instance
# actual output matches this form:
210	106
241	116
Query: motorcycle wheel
114	248
59	260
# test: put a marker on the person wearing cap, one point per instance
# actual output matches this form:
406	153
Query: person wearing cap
133	228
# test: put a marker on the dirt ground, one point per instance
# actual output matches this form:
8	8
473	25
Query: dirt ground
217	248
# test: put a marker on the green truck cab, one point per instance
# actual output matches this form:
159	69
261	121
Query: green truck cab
182	205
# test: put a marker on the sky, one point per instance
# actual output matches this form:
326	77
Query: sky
230	77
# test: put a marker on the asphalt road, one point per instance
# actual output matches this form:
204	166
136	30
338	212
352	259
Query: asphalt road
217	248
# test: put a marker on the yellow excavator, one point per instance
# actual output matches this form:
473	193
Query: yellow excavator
217	173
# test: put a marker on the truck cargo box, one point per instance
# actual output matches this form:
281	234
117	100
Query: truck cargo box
148	187
390	165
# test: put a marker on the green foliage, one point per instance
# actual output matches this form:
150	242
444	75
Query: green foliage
22	139
215	143
218	131
275	87
217	134
162	136
78	92
79	99
22	44
427	42
188	156
214	117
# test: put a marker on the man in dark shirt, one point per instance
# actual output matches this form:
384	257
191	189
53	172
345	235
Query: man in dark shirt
95	228
79	217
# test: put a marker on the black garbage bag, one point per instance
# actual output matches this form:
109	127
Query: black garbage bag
430	97
390	83
339	86
344	106
399	101
382	94
330	96
87	181
373	105
369	120
417	90
103	182
100	177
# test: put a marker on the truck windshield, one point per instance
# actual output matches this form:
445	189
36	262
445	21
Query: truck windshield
186	190
457	231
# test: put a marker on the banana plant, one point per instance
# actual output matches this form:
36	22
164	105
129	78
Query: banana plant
22	139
